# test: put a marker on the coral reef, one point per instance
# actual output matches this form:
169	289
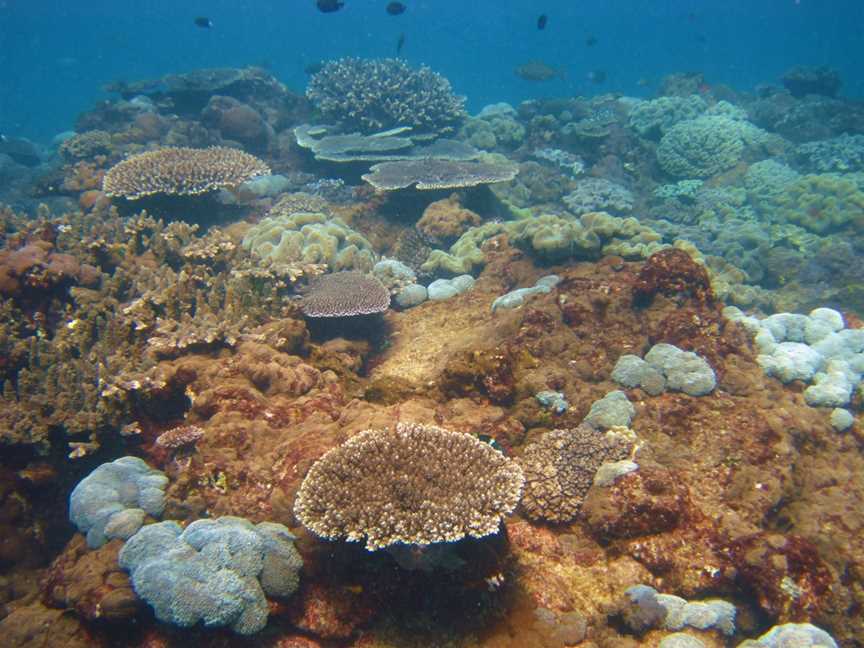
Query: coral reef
599	194
560	466
345	294
308	238
444	221
113	500
378	94
217	571
415	484
821	203
181	172
431	173
703	147
803	80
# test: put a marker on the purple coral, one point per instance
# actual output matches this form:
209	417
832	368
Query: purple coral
345	294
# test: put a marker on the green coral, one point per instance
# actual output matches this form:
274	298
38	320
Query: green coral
310	238
703	147
766	180
659	115
551	239
821	203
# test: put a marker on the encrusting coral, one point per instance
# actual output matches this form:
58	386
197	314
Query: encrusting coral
415	484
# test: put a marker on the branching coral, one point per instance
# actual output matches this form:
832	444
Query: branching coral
415	484
377	94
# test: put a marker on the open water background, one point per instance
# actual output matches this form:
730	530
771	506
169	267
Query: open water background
56	55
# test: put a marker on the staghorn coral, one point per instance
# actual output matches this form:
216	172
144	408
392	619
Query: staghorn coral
559	469
181	172
431	173
377	94
345	294
415	484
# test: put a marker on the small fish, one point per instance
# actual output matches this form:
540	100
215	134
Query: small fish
329	6
354	589
541	21
591	40
485	438
643	82
537	71
203	22
597	76
396	8
400	43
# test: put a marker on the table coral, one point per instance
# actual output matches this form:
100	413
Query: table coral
383	487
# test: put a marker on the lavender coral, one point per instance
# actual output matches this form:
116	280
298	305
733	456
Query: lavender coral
415	484
377	94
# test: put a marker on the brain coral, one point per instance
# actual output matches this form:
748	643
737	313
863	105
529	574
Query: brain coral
414	484
217	571
378	94
181	172
821	203
701	147
309	238
559	469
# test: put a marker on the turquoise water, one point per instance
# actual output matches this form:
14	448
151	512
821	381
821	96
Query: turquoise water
55	56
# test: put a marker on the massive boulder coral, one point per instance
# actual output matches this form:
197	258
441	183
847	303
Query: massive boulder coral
821	203
311	238
181	171
218	572
113	500
415	484
378	94
702	147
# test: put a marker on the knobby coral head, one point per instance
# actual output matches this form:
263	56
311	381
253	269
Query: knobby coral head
415	484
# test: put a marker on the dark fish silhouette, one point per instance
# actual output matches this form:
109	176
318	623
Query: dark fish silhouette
203	22
329	6
396	8
591	41
400	43
538	71
541	21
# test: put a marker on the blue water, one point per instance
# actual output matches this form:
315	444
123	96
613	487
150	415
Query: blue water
55	56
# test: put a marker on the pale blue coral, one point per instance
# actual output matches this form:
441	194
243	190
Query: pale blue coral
112	501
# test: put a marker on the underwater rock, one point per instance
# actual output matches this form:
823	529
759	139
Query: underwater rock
802	80
91	582
673	273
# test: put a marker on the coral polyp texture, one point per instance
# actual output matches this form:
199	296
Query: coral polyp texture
345	294
217	572
181	171
414	484
560	467
378	94
113	500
